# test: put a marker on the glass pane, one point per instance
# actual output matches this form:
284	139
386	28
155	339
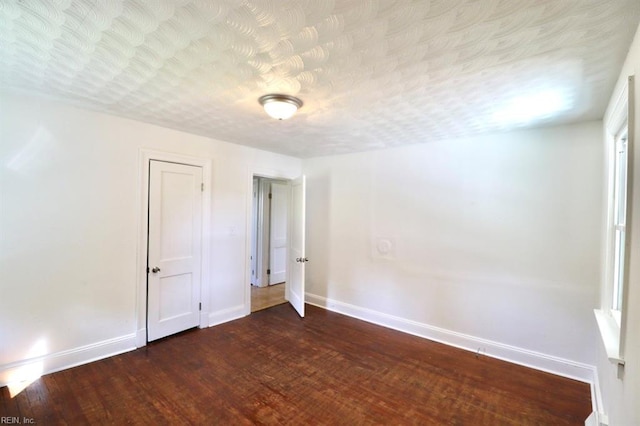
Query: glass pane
618	271
621	185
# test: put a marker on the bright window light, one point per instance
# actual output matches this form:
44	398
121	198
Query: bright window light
525	109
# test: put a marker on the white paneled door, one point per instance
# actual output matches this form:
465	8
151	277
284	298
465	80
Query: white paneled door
278	232
297	259
175	248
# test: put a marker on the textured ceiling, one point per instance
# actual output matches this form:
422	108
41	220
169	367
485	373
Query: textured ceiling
371	73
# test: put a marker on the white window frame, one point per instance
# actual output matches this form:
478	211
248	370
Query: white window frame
619	204
611	317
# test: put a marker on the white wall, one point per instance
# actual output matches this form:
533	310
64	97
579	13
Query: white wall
69	227
621	396
494	241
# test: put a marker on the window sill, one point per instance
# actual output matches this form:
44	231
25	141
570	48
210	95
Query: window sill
610	333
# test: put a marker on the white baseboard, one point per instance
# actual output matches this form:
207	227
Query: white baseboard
596	419
204	319
141	337
539	361
599	417
227	315
45	364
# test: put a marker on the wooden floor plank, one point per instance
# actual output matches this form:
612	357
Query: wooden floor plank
276	368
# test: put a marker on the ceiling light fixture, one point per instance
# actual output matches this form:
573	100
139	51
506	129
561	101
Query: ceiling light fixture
280	106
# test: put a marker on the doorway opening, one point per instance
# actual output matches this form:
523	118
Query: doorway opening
269	242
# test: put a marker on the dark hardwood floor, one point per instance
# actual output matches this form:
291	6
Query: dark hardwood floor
275	368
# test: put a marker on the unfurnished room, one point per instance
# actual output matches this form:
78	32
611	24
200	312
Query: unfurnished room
319	212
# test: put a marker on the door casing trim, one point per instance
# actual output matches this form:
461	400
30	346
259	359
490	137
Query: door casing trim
145	156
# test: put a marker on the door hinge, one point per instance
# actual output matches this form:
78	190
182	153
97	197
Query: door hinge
147	269
200	306
270	196
202	187
268	271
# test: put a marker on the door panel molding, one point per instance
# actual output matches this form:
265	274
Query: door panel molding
145	156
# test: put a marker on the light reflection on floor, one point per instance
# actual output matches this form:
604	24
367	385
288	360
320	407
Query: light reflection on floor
22	376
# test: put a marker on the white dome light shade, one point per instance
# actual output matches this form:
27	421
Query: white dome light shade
280	107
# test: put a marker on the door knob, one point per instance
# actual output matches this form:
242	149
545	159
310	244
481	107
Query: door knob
155	270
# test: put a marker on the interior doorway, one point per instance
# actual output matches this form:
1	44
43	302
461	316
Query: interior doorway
173	263
269	242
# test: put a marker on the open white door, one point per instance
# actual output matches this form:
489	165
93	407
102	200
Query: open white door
254	234
297	257
278	233
175	248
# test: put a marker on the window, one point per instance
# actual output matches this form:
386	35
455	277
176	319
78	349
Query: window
619	221
611	317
